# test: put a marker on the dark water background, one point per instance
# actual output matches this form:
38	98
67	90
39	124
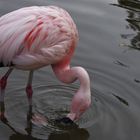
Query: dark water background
109	50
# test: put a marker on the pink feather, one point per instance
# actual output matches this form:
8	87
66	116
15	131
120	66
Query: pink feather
37	36
27	32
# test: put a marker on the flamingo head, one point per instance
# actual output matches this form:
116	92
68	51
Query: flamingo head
80	103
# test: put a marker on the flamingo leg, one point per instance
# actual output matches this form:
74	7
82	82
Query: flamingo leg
29	90
29	123
3	83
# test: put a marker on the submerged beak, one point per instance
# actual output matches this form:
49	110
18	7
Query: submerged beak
72	116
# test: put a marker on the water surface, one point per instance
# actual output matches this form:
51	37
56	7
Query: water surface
109	49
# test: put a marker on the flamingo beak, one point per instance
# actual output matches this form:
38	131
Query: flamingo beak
72	116
66	122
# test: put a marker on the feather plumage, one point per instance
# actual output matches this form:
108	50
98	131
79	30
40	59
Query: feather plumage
33	37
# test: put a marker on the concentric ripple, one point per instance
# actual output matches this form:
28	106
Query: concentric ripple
107	112
51	101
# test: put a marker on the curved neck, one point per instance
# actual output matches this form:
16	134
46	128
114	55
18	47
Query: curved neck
69	75
82	99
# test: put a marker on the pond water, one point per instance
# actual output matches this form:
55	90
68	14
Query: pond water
109	50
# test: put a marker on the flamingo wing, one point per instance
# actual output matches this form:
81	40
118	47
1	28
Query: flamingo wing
32	37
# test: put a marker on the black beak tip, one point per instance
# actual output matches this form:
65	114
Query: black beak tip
65	121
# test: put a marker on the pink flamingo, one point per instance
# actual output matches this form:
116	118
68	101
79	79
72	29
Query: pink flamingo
38	36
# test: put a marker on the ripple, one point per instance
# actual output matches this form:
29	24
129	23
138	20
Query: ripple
51	101
107	111
55	100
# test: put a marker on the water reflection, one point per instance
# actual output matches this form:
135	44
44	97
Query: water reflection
78	134
2	111
74	133
121	63
133	19
16	134
121	100
137	81
130	4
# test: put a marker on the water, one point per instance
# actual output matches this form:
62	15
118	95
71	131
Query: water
109	50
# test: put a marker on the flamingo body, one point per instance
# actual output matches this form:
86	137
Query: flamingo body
34	37
37	36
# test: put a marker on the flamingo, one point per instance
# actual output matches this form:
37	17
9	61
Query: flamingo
38	36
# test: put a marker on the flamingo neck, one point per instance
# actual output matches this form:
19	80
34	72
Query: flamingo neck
69	75
82	98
